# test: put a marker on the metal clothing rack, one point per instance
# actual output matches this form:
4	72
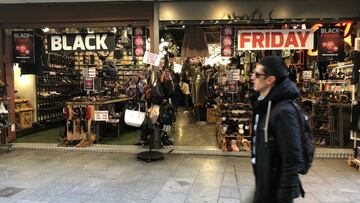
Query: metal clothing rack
151	155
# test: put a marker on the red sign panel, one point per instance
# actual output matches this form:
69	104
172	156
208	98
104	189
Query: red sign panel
275	39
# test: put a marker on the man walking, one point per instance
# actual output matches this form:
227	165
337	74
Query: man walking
277	155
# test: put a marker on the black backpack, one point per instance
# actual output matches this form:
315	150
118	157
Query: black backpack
307	139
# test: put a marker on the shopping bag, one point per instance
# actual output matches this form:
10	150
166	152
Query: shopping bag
134	118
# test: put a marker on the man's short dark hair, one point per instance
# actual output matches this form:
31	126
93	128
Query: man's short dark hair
274	66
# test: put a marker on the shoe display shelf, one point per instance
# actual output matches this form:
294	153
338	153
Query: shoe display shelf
323	124
233	126
4	120
126	69
23	113
55	86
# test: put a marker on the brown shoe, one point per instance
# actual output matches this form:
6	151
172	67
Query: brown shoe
234	146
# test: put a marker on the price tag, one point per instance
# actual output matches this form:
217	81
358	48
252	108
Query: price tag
101	115
92	72
89	84
151	58
52	73
13	128
113	121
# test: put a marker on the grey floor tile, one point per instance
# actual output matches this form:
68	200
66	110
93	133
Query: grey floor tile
209	179
309	197
144	190
229	179
334	197
203	194
169	197
228	200
229	191
178	185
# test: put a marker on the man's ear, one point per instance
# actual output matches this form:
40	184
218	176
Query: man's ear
271	80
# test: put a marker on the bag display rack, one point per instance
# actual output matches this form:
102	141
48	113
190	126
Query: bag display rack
93	125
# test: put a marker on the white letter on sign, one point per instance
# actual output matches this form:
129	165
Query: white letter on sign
65	46
55	43
87	42
78	43
101	41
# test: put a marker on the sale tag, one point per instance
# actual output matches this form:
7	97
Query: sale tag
101	115
151	58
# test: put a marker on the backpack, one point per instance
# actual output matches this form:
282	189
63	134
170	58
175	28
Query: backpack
166	115
307	138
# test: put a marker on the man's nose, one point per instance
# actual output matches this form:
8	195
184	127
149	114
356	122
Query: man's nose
252	77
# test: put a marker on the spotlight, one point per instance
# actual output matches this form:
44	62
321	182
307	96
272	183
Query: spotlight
46	29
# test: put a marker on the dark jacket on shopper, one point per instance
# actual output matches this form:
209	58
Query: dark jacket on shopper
277	153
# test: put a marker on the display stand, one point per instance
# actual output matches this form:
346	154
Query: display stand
98	105
151	155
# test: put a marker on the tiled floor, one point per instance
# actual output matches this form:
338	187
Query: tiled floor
53	176
189	133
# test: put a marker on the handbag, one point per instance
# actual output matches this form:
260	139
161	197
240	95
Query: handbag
134	118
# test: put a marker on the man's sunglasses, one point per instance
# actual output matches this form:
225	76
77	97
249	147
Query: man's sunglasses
257	75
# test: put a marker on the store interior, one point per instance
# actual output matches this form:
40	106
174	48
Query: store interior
56	99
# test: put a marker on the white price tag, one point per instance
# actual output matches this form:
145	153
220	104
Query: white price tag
151	58
13	128
92	72
101	115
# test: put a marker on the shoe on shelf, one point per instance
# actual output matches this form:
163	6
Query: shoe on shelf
246	144
2	83
234	146
323	142
3	109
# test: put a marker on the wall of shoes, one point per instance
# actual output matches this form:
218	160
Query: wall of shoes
323	123
234	126
55	86
234	113
331	105
4	120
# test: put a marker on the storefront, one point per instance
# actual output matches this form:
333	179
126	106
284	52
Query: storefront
44	58
230	37
239	31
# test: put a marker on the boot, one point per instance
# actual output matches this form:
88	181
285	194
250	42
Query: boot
2	83
2	108
246	144
234	146
323	142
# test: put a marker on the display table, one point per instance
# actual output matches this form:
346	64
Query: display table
108	105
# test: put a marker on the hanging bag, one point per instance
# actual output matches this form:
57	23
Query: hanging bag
134	117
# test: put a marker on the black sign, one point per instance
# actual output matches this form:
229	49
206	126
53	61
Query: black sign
82	42
227	41
330	43
23	47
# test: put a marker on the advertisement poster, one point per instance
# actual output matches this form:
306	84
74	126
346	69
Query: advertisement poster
330	43
232	86
139	41
89	84
23	47
227	40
